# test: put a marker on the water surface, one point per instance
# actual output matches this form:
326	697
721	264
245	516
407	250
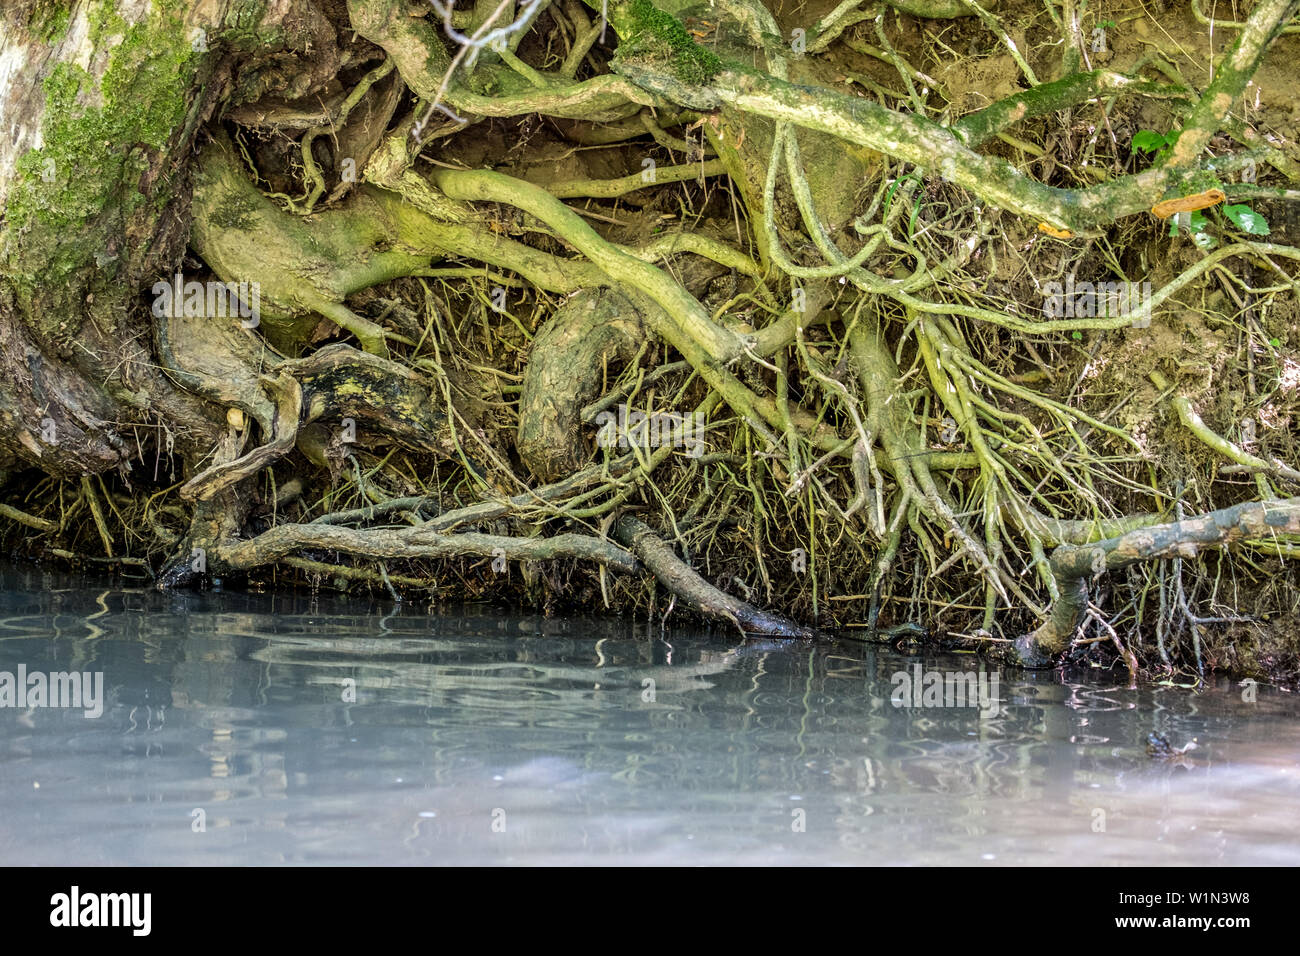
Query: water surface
230	735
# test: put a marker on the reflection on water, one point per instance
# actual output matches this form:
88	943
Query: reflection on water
289	729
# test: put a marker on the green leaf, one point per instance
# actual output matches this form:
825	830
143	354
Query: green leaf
1076	335
1198	225
1247	220
1148	140
1276	343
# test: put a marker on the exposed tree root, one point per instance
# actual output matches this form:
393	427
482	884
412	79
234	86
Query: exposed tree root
413	543
1075	565
469	255
682	581
571	352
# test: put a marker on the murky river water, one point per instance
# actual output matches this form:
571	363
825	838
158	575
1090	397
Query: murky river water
251	729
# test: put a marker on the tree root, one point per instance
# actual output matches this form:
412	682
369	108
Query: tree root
846	414
683	582
918	140
383	397
583	338
417	49
1193	422
283	431
1074	565
411	543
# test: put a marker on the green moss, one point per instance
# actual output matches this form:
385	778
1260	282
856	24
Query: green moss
245	15
50	22
236	211
89	151
103	20
243	28
647	33
73	199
